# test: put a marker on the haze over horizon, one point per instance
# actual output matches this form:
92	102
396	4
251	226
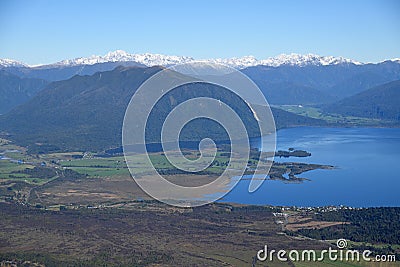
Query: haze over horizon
43	32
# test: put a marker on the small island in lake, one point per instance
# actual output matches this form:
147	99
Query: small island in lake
292	153
285	171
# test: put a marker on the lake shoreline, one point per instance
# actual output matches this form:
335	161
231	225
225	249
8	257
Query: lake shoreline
361	156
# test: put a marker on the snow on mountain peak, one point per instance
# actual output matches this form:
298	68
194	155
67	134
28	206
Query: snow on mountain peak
11	63
123	56
395	60
117	53
236	62
149	60
305	60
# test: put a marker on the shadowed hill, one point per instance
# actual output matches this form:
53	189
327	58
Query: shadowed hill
381	102
15	90
86	112
320	84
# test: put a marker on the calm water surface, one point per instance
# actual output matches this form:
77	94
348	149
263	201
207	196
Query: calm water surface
367	174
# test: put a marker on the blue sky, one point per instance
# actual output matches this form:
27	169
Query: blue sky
48	31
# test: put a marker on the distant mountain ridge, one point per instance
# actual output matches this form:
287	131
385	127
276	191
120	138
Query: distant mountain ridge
380	102
149	60
6	63
323	84
86	112
15	90
284	80
238	62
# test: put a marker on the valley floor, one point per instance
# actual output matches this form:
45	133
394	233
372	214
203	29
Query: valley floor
73	209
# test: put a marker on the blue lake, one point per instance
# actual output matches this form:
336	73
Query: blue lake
367	173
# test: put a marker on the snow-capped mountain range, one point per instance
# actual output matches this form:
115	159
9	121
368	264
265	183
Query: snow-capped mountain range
148	59
11	63
238	63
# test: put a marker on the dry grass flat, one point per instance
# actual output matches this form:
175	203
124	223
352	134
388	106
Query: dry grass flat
312	225
295	223
106	189
143	233
88	191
